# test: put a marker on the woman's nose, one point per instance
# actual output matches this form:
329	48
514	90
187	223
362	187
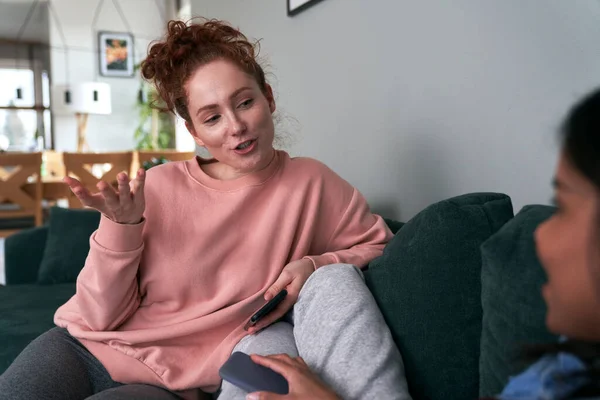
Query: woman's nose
237	125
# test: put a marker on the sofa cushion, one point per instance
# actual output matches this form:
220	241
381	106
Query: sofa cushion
513	308
428	286
67	245
23	253
26	312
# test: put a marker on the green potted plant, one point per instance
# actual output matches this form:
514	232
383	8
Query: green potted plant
156	129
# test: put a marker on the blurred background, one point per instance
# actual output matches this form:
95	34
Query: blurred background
412	101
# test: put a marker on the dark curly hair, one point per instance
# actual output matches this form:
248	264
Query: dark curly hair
187	46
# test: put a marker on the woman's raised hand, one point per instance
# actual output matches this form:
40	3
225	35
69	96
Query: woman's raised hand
124	205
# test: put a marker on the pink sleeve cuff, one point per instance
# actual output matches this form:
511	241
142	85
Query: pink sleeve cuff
119	237
319	261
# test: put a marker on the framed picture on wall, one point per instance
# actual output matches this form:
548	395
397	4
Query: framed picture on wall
296	6
115	54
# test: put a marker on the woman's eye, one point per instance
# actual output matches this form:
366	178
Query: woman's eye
212	119
246	103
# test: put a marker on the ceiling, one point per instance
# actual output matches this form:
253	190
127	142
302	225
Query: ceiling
12	17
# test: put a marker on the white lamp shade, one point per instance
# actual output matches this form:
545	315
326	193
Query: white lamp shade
62	100
92	98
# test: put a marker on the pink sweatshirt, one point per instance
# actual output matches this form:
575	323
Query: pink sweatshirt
164	302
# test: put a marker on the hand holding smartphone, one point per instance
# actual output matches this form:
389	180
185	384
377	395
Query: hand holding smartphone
267	308
244	373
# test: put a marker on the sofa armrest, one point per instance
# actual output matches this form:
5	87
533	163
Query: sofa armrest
23	253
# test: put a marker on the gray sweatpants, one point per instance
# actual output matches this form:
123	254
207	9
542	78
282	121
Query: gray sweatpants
337	328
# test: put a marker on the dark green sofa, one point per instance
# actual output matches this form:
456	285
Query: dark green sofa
458	285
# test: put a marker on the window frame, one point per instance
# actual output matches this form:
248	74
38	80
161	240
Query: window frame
37	66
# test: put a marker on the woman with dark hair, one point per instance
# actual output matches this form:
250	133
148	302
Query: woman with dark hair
568	246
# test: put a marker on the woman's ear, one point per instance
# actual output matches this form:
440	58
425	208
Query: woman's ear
192	131
270	97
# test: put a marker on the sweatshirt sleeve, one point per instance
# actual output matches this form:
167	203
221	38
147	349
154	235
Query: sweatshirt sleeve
107	287
358	236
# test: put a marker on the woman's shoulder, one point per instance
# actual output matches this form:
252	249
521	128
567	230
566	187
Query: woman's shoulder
165	174
314	172
166	169
312	167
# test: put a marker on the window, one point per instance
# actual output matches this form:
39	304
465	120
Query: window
25	118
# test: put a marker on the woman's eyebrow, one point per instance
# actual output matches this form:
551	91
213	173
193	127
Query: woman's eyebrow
213	106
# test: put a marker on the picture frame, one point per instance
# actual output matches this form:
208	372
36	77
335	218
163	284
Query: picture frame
115	54
297	6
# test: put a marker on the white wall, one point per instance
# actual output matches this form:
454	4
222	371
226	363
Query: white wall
13	14
115	131
414	101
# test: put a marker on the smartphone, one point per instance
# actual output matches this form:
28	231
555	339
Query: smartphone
244	373
267	308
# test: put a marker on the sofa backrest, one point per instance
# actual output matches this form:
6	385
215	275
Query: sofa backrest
428	286
53	253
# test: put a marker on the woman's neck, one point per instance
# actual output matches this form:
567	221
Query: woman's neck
220	171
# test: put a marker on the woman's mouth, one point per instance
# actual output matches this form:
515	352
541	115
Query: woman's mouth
245	147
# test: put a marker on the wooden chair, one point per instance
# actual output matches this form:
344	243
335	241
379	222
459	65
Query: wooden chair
143	156
107	166
18	208
55	166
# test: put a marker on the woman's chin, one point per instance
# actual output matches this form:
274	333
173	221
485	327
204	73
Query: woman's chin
256	161
558	325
